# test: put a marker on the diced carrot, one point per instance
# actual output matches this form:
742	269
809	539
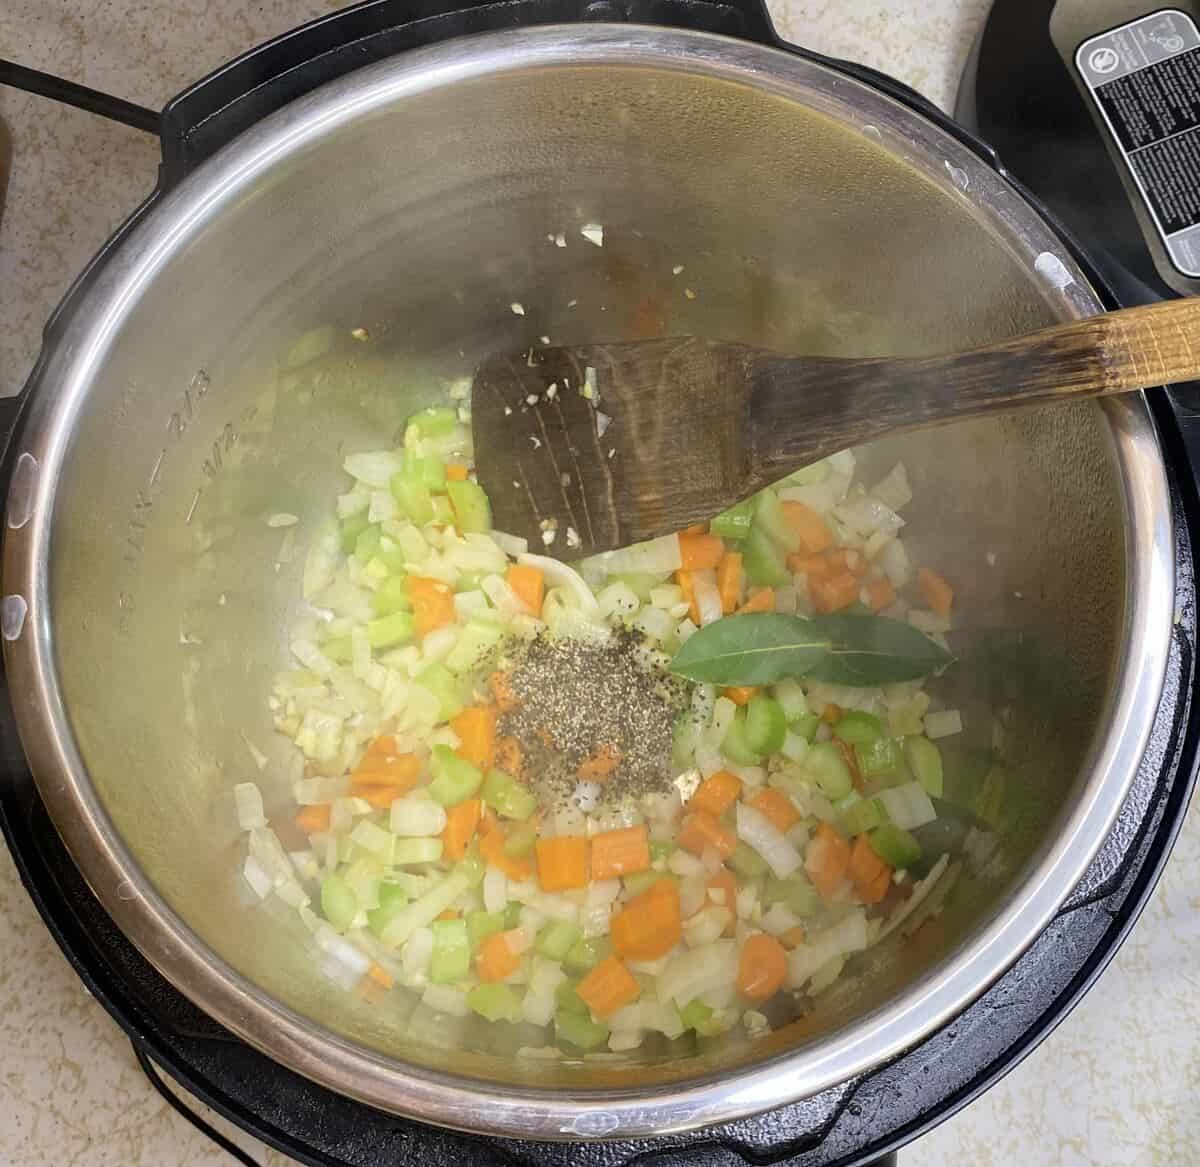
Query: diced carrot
880	594
491	848
380	975
687	585
776	807
496	959
877	889
851	760
380	797
849	559
809	565
488	822
476	729
831	714
649	926
721	889
456	472
761	600
600	764
826	860
729	580
384	744
699	830
462	821
509	756
530	585
433	603
500	683
562	862
812	530
312	819
792	938
700	552
620	852
695	529
864	865
608	987
449	914
717	793
833	593
935	591
761	968
739	694
403	770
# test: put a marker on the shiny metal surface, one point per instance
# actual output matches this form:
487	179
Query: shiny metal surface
415	198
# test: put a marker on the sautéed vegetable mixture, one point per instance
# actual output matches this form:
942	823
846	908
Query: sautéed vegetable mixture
670	788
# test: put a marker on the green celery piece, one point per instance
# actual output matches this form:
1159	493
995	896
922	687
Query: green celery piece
881	757
338	904
795	893
766	724
791	696
443	512
392	898
805	725
735	522
641	881
586	954
351	528
391	555
481	925
660	849
769	517
557	938
338	649
472	511
367	543
696	1015
747	862
406	851
894	846
474	642
444	686
736	747
454	778
567	999
495	1002
581	1032
431	423
414	498
391	596
512	916
429	472
472	866
859	728
824	764
451	959
638	582
763	562
521	839
864	814
507	797
390	631
925	761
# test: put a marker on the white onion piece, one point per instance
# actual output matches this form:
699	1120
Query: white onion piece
706	925
657	556
375	467
249	803
511	545
495	890
907	806
697	971
417	817
445	999
758	832
944	724
847	936
560	575
708	601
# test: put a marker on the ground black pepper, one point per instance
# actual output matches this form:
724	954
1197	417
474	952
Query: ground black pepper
574	699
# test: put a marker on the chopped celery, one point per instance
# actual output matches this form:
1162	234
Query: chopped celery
521	839
586	954
338	649
864	814
495	1002
696	1015
454	778
430	423
879	758
512	916
766	725
825	765
747	862
660	849
406	851
735	522
351	528
894	846
805	725
579	1031
859	728
770	519
568	1000
791	697
392	898
736	747
414	498
438	680
451	960
638	582
443	512
557	938
795	893
429	472
925	761
367	543
507	797
641	881
391	596
763	561
337	902
481	925
471	867
474	643
989	802
391	555
389	631
472	511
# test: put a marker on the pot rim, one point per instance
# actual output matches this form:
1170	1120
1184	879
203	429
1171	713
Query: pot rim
436	1096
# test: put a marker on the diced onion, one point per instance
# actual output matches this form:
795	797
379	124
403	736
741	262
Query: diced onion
758	832
778	919
375	468
512	545
708	600
445	999
893	489
847	936
697	971
495	890
896	564
248	800
417	817
908	806
260	882
706	925
944	724
657	556
561	575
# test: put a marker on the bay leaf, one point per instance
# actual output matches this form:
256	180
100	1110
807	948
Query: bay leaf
868	650
755	649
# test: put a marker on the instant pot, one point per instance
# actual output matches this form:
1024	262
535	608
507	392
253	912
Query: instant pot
400	168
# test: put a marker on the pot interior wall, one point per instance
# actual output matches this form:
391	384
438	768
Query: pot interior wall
423	223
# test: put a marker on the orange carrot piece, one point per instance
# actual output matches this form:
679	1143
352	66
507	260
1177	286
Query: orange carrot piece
776	807
530	585
509	756
880	594
620	852
384	744
809	565
448	914
826	860
491	848
812	530
500	684
873	892
562	862
761	968
849	559
740	694
380	975
312	819
729	580
717	793
870	875
935	591
456	472
687	585
649	926
831	714
476	729
833	593
403	770
699	830
792	938
851	759
700	552
495	959
608	987
380	797
462	821
488	822
761	600
433	603
695	529
599	765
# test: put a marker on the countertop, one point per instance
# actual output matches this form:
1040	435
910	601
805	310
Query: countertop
1116	1085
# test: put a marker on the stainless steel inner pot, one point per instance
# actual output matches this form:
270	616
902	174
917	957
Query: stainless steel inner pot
146	600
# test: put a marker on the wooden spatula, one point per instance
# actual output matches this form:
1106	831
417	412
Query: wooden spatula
589	448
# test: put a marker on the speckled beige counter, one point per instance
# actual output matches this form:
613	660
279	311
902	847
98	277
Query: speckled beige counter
1115	1086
